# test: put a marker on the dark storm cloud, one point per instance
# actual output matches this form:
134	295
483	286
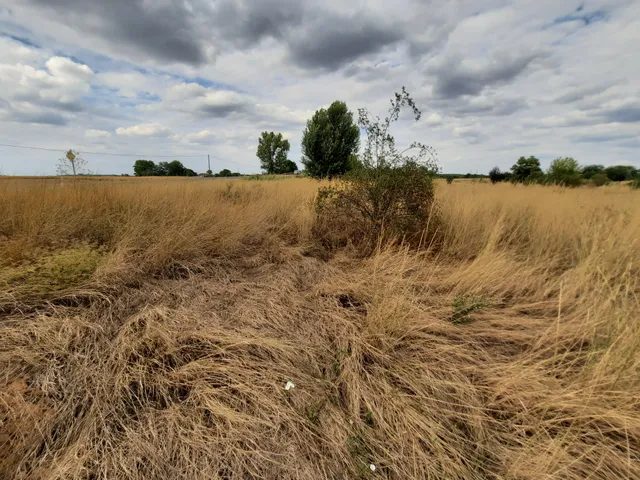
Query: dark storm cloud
623	114
184	32
338	41
577	94
493	105
246	23
39	116
454	79
166	31
221	111
33	98
598	138
314	38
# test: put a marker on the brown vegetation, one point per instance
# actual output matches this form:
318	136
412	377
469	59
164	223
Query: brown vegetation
148	330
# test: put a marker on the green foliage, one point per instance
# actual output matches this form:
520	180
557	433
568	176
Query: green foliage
175	168
465	305
225	172
449	179
539	178
272	152
496	175
390	195
144	168
354	163
562	167
599	179
635	183
565	172
620	173
289	167
525	168
590	171
329	141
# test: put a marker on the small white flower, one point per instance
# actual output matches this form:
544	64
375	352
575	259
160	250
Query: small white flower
372	467
289	385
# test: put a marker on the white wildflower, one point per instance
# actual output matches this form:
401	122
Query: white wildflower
289	385
372	467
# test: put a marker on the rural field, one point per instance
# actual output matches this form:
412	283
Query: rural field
165	328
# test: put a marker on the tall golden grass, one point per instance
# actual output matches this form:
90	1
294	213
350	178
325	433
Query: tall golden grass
148	330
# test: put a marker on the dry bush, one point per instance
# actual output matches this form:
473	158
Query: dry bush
171	360
375	206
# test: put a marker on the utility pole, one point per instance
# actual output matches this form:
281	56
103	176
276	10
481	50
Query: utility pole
208	162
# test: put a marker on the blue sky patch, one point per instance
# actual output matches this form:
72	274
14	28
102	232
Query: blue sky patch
588	17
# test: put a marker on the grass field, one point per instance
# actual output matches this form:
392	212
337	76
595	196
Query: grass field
148	330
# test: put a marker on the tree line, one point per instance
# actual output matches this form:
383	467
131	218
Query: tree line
148	168
563	171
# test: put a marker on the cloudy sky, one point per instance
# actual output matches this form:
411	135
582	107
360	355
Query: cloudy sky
164	79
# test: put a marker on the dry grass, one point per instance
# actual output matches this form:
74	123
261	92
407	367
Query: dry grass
507	350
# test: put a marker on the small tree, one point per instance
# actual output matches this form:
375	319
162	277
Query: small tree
590	171
565	171
524	168
71	163
329	140
599	179
289	166
144	168
496	175
272	152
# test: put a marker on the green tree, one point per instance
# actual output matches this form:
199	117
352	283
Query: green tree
175	168
599	179
590	171
144	168
289	166
565	171
496	175
564	166
620	173
162	169
329	140
272	152
524	168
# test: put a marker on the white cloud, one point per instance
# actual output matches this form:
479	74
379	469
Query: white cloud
50	96
433	120
494	81
92	133
65	69
144	130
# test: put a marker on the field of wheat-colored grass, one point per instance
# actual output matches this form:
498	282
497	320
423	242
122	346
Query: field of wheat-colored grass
148	330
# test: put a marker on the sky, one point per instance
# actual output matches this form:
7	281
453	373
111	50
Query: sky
119	80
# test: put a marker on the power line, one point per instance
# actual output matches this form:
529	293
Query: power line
123	154
101	153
